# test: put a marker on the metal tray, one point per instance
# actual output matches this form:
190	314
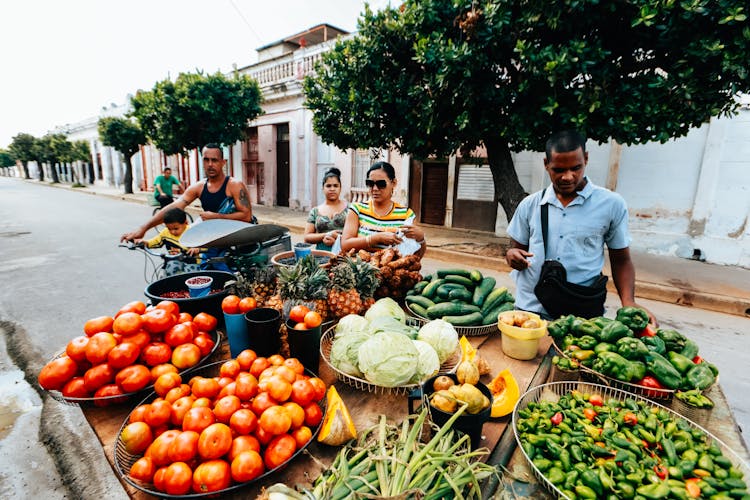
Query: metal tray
124	460
469	331
553	391
326	342
130	396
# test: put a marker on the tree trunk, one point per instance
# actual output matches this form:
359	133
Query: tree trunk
128	179
25	168
90	167
507	188
53	169
40	164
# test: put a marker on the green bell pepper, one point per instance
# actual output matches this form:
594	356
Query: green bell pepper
614	331
690	350
634	318
631	348
568	340
604	347
674	340
655	344
586	328
601	321
638	370
680	362
700	376
663	371
586	342
557	329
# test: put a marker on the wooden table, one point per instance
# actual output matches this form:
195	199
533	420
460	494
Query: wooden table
366	407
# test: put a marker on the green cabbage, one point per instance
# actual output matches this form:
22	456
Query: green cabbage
351	323
345	352
388	359
428	365
441	336
390	324
386	307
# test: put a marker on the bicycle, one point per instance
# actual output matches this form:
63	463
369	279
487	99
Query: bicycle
155	271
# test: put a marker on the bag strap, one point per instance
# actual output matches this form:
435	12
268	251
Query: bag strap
544	210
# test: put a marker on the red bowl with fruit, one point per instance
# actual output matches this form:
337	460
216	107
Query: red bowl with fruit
199	436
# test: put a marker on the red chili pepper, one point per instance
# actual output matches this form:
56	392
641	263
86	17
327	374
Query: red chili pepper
649	331
697	360
661	471
630	418
596	400
590	413
556	418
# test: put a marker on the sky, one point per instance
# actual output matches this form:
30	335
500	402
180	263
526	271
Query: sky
62	61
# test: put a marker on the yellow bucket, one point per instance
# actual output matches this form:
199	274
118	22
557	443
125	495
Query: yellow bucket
521	343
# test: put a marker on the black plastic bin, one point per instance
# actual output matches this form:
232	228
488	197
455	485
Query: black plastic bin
210	304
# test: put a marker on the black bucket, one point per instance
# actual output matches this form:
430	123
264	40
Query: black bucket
210	304
466	423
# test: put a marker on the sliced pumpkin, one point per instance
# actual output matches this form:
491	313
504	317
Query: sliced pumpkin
468	353
338	426
505	393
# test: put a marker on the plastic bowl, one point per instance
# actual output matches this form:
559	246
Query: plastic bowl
521	343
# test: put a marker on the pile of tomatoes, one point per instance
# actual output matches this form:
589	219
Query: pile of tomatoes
123	354
304	318
233	304
213	432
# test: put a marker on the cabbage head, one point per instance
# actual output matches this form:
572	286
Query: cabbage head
428	365
388	359
389	324
386	307
441	336
351	323
345	352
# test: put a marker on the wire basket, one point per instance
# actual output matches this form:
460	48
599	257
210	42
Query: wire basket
123	460
130	396
326	343
553	391
469	331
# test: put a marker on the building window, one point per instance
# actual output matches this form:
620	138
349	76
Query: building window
363	158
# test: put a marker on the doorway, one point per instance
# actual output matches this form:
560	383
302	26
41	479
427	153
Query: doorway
434	191
282	165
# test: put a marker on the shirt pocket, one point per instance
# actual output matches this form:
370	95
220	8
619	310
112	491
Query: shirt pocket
587	239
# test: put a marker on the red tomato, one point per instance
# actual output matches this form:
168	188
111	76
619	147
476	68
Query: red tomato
295	365
98	347
243	421
245	359
57	372
97	376
76	388
177	392
136	437
302	435
139	412
158	320
279	389
275	420
76	348
156	353
186	356
205	322
123	355
296	413
276	359
313	415
312	319
127	323
205	343
185	317
140	338
246	387
212	475
243	443
170	306
178	478
162	369
263	401
198	418
248	304
225	407
105	393
165	382
258	365
159	413
158	451
319	386
136	306
230	368
297	313
247	466
231	304
179	408
159	477
143	470
96	325
204	387
184	447
279	450
180	333
303	392
215	441
133	378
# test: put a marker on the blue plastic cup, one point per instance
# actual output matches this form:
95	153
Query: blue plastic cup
302	250
236	328
199	286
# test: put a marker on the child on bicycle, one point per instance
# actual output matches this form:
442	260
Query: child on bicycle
176	224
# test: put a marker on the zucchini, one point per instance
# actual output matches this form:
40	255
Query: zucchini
491	316
461	294
476	276
461	280
418	310
420	300
450	309
471	319
430	290
482	290
445	289
442	273
495	298
420	286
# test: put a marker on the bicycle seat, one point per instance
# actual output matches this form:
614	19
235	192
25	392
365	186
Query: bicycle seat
222	233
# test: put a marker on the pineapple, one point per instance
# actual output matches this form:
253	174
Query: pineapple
316	290
366	281
305	282
264	285
343	298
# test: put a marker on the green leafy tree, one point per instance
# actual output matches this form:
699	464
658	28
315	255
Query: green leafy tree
197	109
23	148
6	161
52	149
126	136
435	77
79	151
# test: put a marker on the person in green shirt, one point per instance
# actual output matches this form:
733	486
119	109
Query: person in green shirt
163	187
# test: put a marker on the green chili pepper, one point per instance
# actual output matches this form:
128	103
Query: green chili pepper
613	365
585	492
605	479
631	348
679	493
555	475
680	362
542	464
634	318
612	332
735	483
565	459
694	398
570	479
646	435
700	377
654	491
625	490
576	453
722	462
669	450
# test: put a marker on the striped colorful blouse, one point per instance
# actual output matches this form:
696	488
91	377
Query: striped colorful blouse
370	223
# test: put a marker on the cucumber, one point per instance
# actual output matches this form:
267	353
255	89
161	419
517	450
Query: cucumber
491	316
430	290
471	319
450	309
420	286
427	278
496	297
410	292
418	310
458	272
461	294
420	300
461	280
482	291
476	276
445	289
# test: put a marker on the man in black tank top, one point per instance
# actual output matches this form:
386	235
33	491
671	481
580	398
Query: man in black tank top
221	196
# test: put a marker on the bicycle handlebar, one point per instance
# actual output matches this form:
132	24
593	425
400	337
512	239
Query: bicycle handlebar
166	256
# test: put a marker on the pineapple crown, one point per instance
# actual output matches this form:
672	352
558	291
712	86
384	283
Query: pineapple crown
365	276
303	281
342	275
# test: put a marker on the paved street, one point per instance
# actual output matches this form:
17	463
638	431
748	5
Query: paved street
60	266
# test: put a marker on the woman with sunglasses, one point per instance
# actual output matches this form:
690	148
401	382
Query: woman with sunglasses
380	222
326	221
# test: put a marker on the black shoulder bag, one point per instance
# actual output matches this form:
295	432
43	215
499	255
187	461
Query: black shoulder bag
560	297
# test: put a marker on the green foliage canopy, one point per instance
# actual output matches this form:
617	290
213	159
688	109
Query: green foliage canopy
436	76
126	136
6	159
197	109
23	148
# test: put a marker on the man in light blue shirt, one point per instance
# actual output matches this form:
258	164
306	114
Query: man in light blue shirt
582	219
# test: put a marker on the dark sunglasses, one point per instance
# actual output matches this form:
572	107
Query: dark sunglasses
381	184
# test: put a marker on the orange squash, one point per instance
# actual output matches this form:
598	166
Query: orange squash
505	393
338	426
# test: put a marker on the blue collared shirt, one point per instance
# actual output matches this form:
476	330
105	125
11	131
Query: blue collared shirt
576	235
